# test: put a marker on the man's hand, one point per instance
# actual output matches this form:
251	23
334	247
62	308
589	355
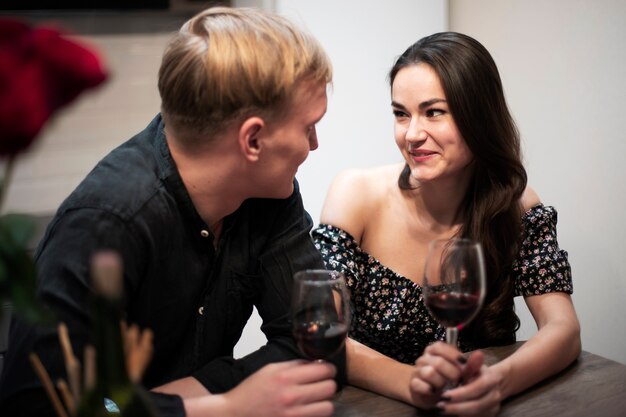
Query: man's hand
294	389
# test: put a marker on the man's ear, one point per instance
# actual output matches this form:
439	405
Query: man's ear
249	140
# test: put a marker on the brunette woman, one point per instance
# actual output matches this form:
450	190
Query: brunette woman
462	176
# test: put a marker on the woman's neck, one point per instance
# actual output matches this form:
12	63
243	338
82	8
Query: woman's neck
438	204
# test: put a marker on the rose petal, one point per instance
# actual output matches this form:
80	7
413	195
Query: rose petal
41	70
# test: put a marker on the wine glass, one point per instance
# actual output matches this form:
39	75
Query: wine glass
320	312
454	283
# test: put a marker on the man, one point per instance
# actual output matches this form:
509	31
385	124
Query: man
204	209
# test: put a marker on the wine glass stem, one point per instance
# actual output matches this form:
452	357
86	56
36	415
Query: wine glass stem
452	335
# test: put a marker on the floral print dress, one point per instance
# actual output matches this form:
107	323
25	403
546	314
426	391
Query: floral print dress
388	311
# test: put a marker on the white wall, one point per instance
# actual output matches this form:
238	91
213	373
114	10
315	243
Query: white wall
357	129
363	38
562	64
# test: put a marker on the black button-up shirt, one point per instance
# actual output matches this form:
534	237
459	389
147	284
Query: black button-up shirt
194	295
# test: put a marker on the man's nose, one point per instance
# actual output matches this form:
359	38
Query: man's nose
313	143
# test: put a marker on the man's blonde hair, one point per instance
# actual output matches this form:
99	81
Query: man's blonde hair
228	63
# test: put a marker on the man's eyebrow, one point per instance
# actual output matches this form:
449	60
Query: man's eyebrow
316	120
396	104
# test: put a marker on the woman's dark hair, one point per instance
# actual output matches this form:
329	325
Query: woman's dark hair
491	210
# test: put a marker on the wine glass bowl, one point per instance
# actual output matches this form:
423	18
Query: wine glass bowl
320	313
454	283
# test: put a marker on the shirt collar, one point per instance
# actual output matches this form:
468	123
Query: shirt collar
169	175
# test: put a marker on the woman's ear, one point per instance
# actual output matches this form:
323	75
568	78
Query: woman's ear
250	143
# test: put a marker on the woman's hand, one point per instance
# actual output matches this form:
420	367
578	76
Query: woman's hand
442	365
478	393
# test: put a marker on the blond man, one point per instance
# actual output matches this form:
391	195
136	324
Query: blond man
205	211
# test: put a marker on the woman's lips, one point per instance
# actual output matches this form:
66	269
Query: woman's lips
422	155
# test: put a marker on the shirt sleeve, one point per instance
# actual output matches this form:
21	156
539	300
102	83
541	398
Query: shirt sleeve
289	249
64	286
541	267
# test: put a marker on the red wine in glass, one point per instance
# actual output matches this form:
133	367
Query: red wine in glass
320	313
454	283
320	340
452	310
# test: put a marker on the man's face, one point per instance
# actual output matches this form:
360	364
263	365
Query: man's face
287	141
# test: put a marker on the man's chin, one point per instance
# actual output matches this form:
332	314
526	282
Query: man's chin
287	193
284	192
280	191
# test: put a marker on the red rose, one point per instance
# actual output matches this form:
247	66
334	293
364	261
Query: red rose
40	71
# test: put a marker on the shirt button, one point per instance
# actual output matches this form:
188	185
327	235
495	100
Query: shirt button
201	311
204	233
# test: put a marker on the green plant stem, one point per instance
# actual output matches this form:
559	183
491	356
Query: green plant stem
6	180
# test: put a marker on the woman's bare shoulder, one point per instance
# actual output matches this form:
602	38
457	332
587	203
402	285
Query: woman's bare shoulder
354	193
529	199
366	181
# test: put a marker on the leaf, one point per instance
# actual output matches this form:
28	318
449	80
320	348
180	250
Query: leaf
16	230
3	276
26	306
18	274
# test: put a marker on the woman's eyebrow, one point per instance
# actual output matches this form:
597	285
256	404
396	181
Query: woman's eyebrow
422	105
430	102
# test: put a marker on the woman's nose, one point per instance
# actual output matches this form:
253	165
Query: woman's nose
415	131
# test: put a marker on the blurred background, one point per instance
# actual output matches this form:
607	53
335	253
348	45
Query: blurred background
561	61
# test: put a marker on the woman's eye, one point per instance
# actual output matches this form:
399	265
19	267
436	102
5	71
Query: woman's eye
398	113
434	112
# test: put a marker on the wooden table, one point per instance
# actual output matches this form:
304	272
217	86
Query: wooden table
591	386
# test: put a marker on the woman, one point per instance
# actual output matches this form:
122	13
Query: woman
462	176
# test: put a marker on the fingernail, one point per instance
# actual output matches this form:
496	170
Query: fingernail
461	359
445	398
441	408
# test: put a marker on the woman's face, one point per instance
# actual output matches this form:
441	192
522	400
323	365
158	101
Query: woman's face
424	129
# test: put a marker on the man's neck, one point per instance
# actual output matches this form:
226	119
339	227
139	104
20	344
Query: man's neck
212	181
